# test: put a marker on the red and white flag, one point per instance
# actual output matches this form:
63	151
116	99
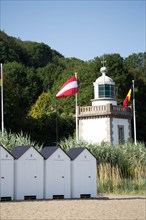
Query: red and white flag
70	87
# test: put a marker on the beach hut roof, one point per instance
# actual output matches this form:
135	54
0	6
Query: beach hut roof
75	152
18	151
48	151
6	150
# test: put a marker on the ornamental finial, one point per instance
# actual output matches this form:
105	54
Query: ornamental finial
103	61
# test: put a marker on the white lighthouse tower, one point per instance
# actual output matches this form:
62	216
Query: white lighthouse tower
104	121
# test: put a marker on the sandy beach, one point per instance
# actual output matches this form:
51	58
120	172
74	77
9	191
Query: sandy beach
109	207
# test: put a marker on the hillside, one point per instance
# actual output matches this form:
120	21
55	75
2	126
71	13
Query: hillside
33	73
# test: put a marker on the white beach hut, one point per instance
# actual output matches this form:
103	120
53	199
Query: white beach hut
6	174
83	173
28	166
56	173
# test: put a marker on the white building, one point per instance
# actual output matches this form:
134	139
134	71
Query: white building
104	121
6	175
28	166
56	173
83	173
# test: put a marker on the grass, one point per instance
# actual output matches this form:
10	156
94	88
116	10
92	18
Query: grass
111	180
11	140
120	169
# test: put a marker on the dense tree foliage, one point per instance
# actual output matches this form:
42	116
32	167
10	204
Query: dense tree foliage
33	73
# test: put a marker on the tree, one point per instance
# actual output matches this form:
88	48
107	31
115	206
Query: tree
32	69
41	107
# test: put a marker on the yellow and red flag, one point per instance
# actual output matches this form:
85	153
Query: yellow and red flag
127	99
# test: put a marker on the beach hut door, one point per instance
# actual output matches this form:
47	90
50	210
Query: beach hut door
59	177
30	178
6	178
86	177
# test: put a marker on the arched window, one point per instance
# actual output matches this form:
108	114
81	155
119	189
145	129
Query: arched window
106	91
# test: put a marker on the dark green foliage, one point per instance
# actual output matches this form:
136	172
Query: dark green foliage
29	53
31	68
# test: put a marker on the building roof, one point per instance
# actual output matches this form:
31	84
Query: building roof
6	150
18	151
74	152
104	79
48	151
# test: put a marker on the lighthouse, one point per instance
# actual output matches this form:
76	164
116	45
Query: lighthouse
104	120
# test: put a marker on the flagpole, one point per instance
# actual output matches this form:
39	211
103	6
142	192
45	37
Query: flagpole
56	125
134	117
77	134
2	103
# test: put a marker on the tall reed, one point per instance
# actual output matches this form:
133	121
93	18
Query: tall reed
111	180
120	168
11	140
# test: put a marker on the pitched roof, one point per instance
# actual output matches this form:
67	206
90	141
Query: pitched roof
48	151
18	151
6	150
74	152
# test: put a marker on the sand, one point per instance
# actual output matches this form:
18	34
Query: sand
109	207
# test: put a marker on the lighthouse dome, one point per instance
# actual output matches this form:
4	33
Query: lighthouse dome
104	89
104	79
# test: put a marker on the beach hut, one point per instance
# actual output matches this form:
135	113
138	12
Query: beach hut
6	174
56	173
28	165
83	173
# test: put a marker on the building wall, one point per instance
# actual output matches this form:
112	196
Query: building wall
29	175
6	174
83	172
97	102
127	129
95	130
57	175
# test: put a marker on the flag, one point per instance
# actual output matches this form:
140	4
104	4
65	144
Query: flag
70	87
127	99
